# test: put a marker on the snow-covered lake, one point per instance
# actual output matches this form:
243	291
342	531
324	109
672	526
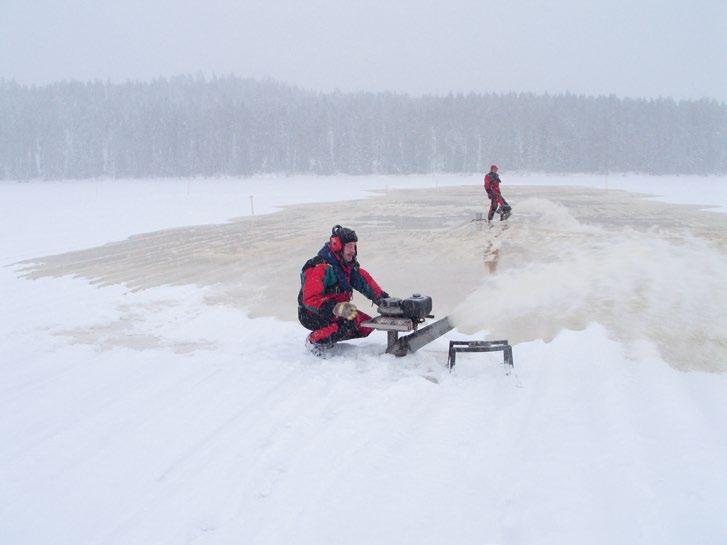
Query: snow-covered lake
158	415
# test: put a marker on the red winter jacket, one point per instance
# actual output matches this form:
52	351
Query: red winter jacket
326	280
492	187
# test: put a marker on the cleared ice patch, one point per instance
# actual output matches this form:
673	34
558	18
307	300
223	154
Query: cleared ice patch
566	258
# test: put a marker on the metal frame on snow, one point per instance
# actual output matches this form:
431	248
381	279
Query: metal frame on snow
481	346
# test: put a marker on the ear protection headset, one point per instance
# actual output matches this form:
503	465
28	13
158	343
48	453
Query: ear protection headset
340	236
336	243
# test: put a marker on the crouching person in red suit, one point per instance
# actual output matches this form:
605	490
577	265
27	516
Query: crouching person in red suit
327	284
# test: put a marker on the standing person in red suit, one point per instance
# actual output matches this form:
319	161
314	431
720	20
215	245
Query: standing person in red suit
327	284
497	202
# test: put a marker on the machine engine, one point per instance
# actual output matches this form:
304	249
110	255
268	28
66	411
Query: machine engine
415	308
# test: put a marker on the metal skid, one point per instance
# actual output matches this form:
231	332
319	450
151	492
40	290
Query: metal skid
481	346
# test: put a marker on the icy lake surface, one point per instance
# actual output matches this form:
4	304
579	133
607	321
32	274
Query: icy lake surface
155	388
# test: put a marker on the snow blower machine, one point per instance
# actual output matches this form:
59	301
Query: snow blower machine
403	315
406	315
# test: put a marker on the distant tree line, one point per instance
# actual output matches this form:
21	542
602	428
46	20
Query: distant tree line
193	126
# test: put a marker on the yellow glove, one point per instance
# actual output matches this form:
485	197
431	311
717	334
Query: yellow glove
346	311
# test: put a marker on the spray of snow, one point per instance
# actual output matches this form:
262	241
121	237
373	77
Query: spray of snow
671	290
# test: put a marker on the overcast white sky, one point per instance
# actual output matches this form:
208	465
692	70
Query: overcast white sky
636	48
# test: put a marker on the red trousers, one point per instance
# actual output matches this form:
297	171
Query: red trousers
335	329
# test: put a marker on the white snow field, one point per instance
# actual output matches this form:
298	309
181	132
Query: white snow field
145	400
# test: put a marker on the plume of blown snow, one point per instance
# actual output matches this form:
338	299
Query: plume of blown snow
671	291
